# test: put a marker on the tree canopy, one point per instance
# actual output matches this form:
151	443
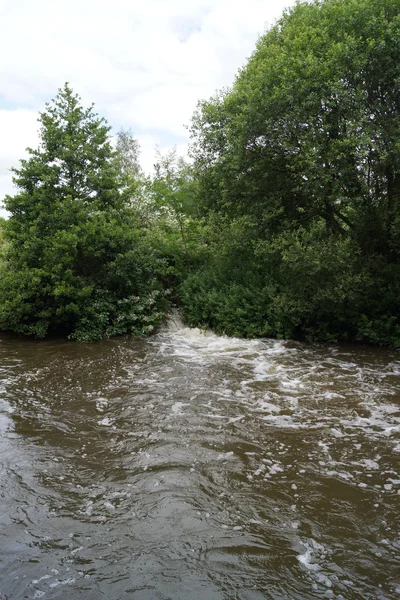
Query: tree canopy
311	126
302	158
76	262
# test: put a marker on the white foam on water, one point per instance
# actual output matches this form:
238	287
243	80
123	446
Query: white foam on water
306	558
383	421
294	384
336	432
176	408
68	581
260	470
274	469
107	422
274	375
43	578
324	446
264	406
283	422
311	560
340	474
89	507
101	404
236	419
332	396
6	409
189	342
225	455
370	465
5	423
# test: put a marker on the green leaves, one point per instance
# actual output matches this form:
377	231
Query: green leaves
310	127
305	149
75	255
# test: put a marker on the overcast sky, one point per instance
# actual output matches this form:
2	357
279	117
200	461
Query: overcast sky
144	63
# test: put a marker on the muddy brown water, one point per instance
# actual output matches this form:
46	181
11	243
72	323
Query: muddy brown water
195	467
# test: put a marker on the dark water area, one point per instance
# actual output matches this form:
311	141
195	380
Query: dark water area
195	467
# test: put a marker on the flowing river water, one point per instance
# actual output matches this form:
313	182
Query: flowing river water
195	467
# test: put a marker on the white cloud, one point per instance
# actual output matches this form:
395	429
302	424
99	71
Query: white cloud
144	64
18	131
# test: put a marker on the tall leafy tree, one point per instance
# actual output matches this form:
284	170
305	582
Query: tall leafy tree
303	154
173	188
2	240
128	151
311	127
75	262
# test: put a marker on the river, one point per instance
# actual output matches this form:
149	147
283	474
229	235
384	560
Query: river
189	466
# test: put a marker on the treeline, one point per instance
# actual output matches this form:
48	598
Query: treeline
287	224
298	167
93	247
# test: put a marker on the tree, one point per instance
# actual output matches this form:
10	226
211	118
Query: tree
302	158
173	189
75	263
167	208
3	243
128	151
311	128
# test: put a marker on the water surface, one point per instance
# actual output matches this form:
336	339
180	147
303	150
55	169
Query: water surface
195	467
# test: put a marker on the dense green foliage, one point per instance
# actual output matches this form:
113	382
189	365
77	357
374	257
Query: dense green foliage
299	167
287	224
3	243
77	262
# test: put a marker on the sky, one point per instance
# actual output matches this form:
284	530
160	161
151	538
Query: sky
144	63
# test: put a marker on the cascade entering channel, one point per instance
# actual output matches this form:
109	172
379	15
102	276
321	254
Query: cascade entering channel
189	466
